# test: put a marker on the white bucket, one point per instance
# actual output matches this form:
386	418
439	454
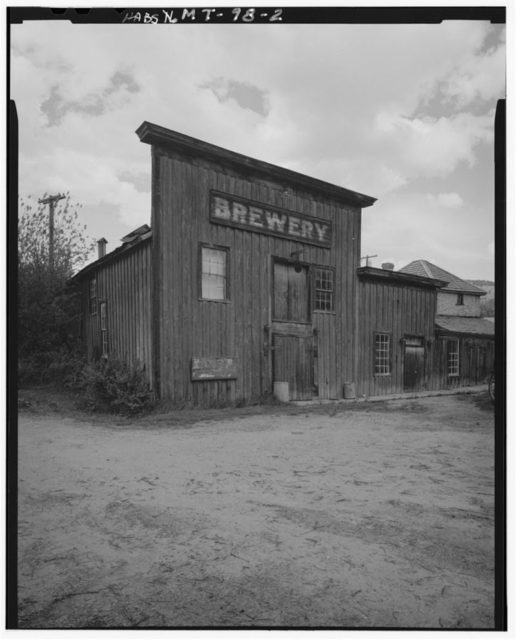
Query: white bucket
281	391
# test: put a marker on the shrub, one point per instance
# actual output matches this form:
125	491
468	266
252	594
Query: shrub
112	385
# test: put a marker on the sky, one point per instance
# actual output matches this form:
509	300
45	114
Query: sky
403	113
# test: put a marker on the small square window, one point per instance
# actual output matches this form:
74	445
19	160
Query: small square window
382	354
214	280
323	290
460	299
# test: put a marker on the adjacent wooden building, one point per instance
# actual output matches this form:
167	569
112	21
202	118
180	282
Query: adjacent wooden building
248	282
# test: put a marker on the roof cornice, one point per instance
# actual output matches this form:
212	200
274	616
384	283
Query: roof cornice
160	136
399	277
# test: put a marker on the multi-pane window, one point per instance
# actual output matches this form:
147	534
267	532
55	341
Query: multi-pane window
214	276
104	329
453	357
323	289
93	296
460	298
382	354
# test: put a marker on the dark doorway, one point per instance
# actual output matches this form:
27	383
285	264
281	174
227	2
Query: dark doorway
291	293
414	364
292	340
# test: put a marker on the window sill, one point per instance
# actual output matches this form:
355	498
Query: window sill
214	300
381	375
329	313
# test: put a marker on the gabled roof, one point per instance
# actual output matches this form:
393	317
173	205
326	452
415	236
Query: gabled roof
153	134
462	325
131	240
429	270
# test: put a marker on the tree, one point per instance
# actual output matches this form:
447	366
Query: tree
48	305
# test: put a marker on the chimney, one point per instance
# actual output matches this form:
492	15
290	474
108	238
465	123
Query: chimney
101	245
388	266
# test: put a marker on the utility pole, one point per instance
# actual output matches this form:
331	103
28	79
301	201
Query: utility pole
366	258
51	201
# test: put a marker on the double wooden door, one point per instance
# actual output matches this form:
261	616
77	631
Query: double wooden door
292	333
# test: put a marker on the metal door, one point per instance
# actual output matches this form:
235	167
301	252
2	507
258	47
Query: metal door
414	364
293	363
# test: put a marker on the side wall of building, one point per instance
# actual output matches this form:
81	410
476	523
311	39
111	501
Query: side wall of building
476	361
188	327
124	285
447	305
400	311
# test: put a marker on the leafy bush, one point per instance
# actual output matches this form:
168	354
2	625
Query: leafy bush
55	365
48	303
112	385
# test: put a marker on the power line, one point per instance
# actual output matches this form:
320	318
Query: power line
51	201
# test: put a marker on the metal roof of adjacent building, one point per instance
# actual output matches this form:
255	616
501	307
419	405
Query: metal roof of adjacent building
463	325
429	270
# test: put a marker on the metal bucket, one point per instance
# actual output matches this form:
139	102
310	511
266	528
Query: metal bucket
349	390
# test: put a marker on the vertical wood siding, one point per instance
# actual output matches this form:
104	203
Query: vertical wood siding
398	310
476	361
190	327
125	286
401	311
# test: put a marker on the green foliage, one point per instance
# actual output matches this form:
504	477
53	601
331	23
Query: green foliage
487	308
112	385
49	345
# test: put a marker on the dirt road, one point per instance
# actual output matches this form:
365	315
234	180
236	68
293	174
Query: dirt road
376	517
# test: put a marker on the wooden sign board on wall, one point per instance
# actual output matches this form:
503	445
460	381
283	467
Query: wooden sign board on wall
214	368
253	216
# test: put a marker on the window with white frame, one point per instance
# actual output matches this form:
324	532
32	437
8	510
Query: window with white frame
214	273
323	289
452	357
382	354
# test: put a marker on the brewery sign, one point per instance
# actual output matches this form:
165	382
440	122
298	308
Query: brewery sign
253	216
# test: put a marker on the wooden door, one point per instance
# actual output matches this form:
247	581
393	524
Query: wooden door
290	293
414	364
293	363
292	340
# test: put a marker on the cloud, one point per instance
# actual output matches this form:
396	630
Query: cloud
55	107
413	226
246	95
449	200
344	103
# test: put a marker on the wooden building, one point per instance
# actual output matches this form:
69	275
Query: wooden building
247	279
248	282
396	331
464	346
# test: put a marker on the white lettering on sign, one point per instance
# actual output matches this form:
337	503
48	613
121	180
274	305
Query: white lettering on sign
247	215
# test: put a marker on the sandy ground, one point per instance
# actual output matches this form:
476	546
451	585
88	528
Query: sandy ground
378	516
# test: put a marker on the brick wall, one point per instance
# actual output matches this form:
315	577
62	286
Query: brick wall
447	305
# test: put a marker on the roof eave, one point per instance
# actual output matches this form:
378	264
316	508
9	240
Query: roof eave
112	256
400	277
153	134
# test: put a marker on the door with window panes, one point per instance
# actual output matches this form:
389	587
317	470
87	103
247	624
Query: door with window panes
292	338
